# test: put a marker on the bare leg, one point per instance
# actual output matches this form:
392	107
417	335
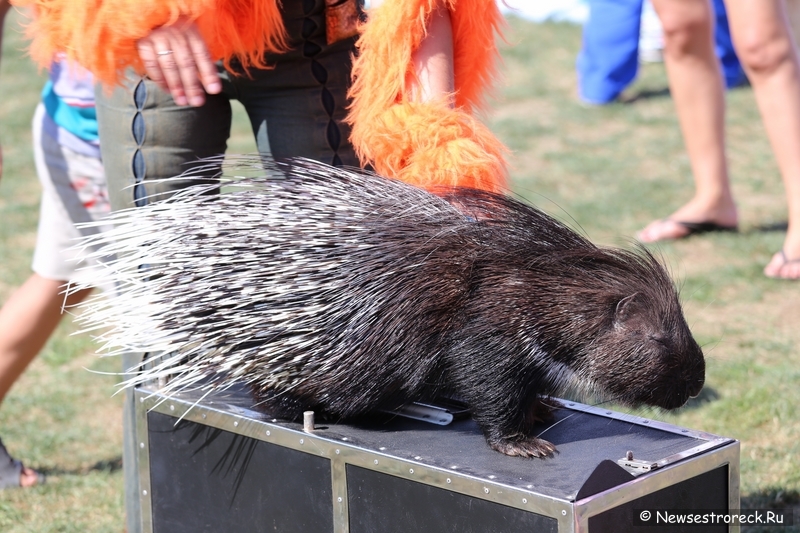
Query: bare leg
696	86
765	46
27	320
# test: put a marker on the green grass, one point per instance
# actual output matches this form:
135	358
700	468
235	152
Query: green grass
608	171
604	170
60	418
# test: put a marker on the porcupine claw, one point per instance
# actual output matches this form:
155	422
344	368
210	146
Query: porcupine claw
525	447
522	444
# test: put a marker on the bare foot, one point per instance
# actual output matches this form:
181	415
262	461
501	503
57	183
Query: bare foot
664	229
669	229
783	267
694	217
28	477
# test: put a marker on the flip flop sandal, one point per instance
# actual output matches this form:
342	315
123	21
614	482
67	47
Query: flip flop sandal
11	470
784	261
692	228
696	228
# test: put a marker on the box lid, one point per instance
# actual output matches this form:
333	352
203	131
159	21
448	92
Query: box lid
586	437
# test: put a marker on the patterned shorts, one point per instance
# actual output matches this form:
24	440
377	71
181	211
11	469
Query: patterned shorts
73	192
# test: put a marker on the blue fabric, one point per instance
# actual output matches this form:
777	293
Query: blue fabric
80	121
731	68
609	57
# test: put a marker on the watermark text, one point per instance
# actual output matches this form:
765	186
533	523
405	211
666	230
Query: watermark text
744	517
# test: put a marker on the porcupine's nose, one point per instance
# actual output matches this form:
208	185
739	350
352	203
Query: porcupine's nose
695	387
696	378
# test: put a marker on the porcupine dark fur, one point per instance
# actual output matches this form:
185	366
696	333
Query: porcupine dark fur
346	293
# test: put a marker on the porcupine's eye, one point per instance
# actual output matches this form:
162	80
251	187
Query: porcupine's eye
661	341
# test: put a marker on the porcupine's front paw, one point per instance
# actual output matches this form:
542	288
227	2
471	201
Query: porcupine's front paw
523	447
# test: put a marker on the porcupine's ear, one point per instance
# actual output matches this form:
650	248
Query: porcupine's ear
626	308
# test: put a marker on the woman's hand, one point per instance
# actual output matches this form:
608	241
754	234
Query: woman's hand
177	59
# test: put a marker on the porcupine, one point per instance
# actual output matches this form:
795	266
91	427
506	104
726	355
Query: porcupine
345	293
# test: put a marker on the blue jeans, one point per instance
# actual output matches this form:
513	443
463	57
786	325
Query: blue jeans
296	108
609	58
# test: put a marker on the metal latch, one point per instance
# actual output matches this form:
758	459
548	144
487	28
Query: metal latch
636	466
441	411
425	413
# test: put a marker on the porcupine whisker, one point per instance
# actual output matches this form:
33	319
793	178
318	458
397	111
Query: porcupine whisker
573	414
713	344
630	416
554	424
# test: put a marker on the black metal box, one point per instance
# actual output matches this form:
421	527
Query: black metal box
216	465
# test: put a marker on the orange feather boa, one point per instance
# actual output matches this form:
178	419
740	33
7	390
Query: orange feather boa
428	144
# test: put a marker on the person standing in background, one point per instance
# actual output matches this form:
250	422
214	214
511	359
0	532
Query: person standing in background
403	105
67	157
610	51
765	46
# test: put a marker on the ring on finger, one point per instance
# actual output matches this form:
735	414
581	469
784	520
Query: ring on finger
164	53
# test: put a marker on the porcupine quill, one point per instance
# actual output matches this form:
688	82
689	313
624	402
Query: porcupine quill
345	293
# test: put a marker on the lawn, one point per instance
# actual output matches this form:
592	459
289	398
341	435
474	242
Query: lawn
606	171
